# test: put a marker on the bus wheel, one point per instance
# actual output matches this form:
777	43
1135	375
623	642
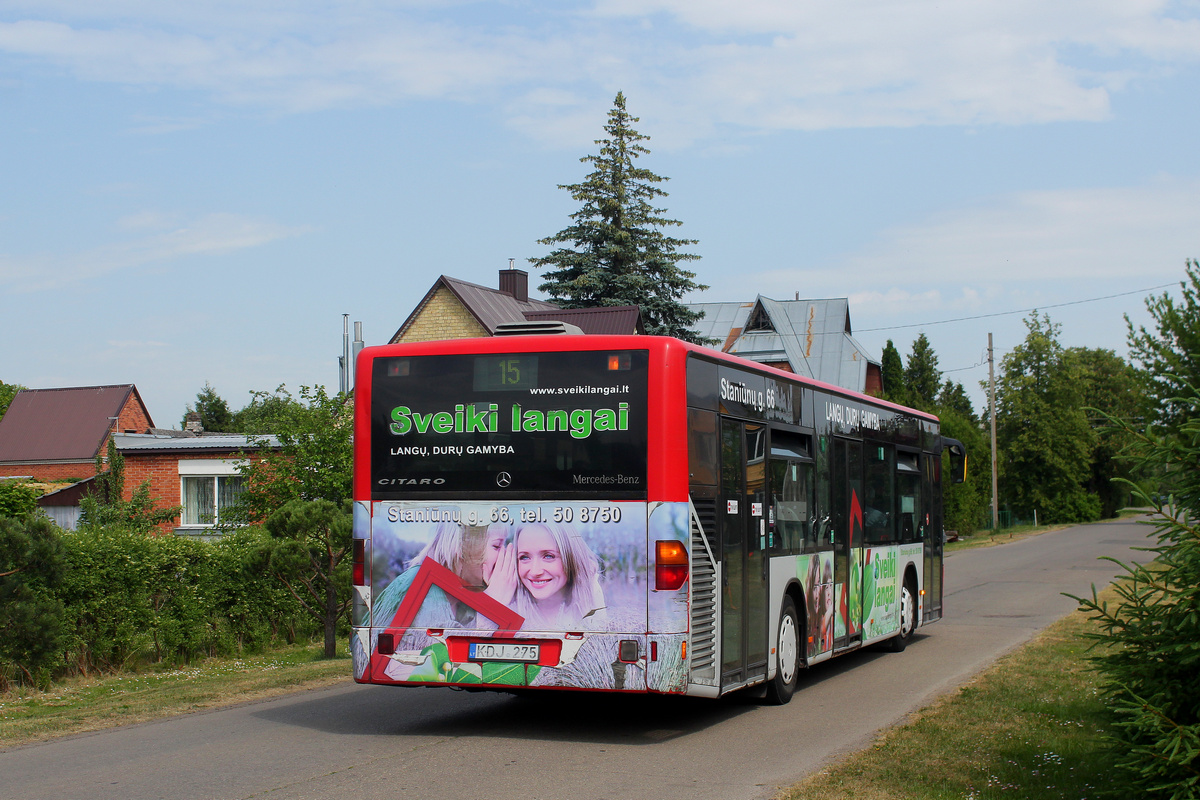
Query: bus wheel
787	655
908	618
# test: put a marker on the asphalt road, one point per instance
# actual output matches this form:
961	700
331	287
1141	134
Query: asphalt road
381	742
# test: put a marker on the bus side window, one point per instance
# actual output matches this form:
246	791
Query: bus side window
791	500
879	510
702	447
908	497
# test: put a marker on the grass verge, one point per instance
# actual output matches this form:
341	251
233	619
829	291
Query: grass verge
80	705
1030	727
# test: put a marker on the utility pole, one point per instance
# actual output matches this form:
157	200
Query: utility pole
992	404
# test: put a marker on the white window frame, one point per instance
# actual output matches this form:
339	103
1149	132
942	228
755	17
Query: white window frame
205	468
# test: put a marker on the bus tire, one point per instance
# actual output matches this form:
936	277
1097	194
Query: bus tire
908	618
788	661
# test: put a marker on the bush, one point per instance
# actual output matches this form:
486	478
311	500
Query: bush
17	499
131	598
107	599
1078	506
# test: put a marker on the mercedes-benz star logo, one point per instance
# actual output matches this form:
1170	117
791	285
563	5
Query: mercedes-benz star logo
503	480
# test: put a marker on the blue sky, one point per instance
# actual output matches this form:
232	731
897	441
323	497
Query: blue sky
197	192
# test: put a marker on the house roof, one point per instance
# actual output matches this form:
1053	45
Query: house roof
62	424
495	307
174	442
620	320
812	336
490	307
69	495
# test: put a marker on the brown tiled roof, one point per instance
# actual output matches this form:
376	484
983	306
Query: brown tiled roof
491	307
60	424
611	320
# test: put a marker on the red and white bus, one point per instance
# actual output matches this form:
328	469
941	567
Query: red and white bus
631	513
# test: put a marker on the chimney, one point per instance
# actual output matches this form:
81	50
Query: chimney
515	282
192	423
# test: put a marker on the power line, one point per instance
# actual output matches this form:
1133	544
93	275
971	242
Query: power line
1009	313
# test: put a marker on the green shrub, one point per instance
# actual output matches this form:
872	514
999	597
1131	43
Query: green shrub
1152	666
131	598
106	592
1077	506
17	499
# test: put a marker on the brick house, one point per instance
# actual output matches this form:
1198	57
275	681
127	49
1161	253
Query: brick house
455	309
195	470
55	434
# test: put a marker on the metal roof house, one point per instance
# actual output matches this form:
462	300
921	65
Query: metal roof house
456	309
808	337
192	469
195	470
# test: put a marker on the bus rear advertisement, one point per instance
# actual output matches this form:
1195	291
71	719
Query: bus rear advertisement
629	513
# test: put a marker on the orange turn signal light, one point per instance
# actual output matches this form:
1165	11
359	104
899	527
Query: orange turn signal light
670	564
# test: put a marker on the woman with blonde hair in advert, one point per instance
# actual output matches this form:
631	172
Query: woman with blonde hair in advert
558	579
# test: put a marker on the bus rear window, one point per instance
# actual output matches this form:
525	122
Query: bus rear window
551	424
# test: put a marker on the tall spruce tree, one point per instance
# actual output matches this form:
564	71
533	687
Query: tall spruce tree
615	252
922	377
892	368
953	397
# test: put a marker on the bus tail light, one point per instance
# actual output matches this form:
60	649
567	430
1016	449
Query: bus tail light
670	564
360	562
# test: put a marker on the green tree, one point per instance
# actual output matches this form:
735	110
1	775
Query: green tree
953	397
892	369
1169	354
214	412
964	503
1109	389
1151	664
7	392
1043	436
616	252
107	507
314	459
310	541
922	378
32	627
267	412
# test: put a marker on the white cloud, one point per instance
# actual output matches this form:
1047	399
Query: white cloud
1085	236
213	234
759	64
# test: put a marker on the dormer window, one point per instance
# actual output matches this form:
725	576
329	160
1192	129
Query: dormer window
759	321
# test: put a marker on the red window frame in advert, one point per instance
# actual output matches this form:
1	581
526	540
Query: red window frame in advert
431	574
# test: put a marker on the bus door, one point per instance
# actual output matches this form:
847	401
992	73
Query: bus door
931	482
846	471
743	553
